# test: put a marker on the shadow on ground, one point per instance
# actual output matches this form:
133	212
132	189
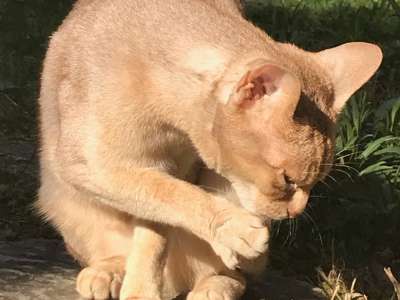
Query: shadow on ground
41	269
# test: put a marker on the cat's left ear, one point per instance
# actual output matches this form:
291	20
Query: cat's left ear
350	66
267	83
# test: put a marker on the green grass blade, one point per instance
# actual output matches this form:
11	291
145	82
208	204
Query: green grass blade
373	146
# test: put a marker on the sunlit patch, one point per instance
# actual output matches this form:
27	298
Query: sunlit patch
205	60
247	194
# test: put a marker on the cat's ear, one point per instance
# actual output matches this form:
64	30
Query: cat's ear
349	66
269	83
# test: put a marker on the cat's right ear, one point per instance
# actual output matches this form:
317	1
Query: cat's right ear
267	84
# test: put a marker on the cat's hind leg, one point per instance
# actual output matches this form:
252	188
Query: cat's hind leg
99	237
218	287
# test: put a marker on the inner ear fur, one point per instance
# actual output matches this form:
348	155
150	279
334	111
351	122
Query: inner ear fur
270	83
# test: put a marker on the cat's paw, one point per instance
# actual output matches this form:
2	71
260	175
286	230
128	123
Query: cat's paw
209	294
97	284
238	233
217	288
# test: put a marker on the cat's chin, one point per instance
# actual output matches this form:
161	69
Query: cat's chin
268	218
268	209
267	212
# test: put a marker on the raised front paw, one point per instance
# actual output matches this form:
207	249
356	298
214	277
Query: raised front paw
237	233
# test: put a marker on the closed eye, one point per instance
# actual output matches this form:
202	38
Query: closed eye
290	184
288	180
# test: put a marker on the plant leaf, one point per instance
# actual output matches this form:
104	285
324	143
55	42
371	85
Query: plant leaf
374	145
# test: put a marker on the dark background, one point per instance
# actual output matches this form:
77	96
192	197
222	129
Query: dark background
352	224
25	27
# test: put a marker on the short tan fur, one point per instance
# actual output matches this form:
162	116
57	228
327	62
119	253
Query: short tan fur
136	95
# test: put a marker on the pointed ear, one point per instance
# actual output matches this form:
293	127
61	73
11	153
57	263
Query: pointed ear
349	66
269	83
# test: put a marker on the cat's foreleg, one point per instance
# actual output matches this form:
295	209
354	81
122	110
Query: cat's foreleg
155	196
145	264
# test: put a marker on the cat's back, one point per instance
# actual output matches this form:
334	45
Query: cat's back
106	47
99	45
154	26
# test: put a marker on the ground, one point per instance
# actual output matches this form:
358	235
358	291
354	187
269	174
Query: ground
41	269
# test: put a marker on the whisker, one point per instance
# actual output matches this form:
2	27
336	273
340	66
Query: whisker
286	241
310	205
336	165
349	148
332	178
294	228
296	224
291	237
346	155
308	217
278	229
328	164
311	172
344	172
326	184
347	166
317	197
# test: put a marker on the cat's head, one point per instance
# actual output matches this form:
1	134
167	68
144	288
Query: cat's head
276	132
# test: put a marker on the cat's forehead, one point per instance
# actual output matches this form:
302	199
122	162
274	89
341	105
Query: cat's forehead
314	109
316	85
315	81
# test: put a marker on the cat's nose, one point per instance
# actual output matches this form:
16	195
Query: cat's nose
298	203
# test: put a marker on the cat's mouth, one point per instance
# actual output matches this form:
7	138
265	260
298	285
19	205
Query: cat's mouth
251	199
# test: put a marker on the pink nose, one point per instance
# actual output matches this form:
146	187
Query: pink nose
298	203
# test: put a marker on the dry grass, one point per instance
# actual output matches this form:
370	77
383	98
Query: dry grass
335	287
395	283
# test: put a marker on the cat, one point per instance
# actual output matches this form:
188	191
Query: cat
135	95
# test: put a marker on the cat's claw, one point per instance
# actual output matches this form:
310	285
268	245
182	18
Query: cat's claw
239	233
228	256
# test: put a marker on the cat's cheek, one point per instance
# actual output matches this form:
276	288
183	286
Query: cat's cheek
255	202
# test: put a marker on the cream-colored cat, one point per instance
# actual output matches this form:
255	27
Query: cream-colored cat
135	94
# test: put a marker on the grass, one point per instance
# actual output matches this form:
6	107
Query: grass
349	232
